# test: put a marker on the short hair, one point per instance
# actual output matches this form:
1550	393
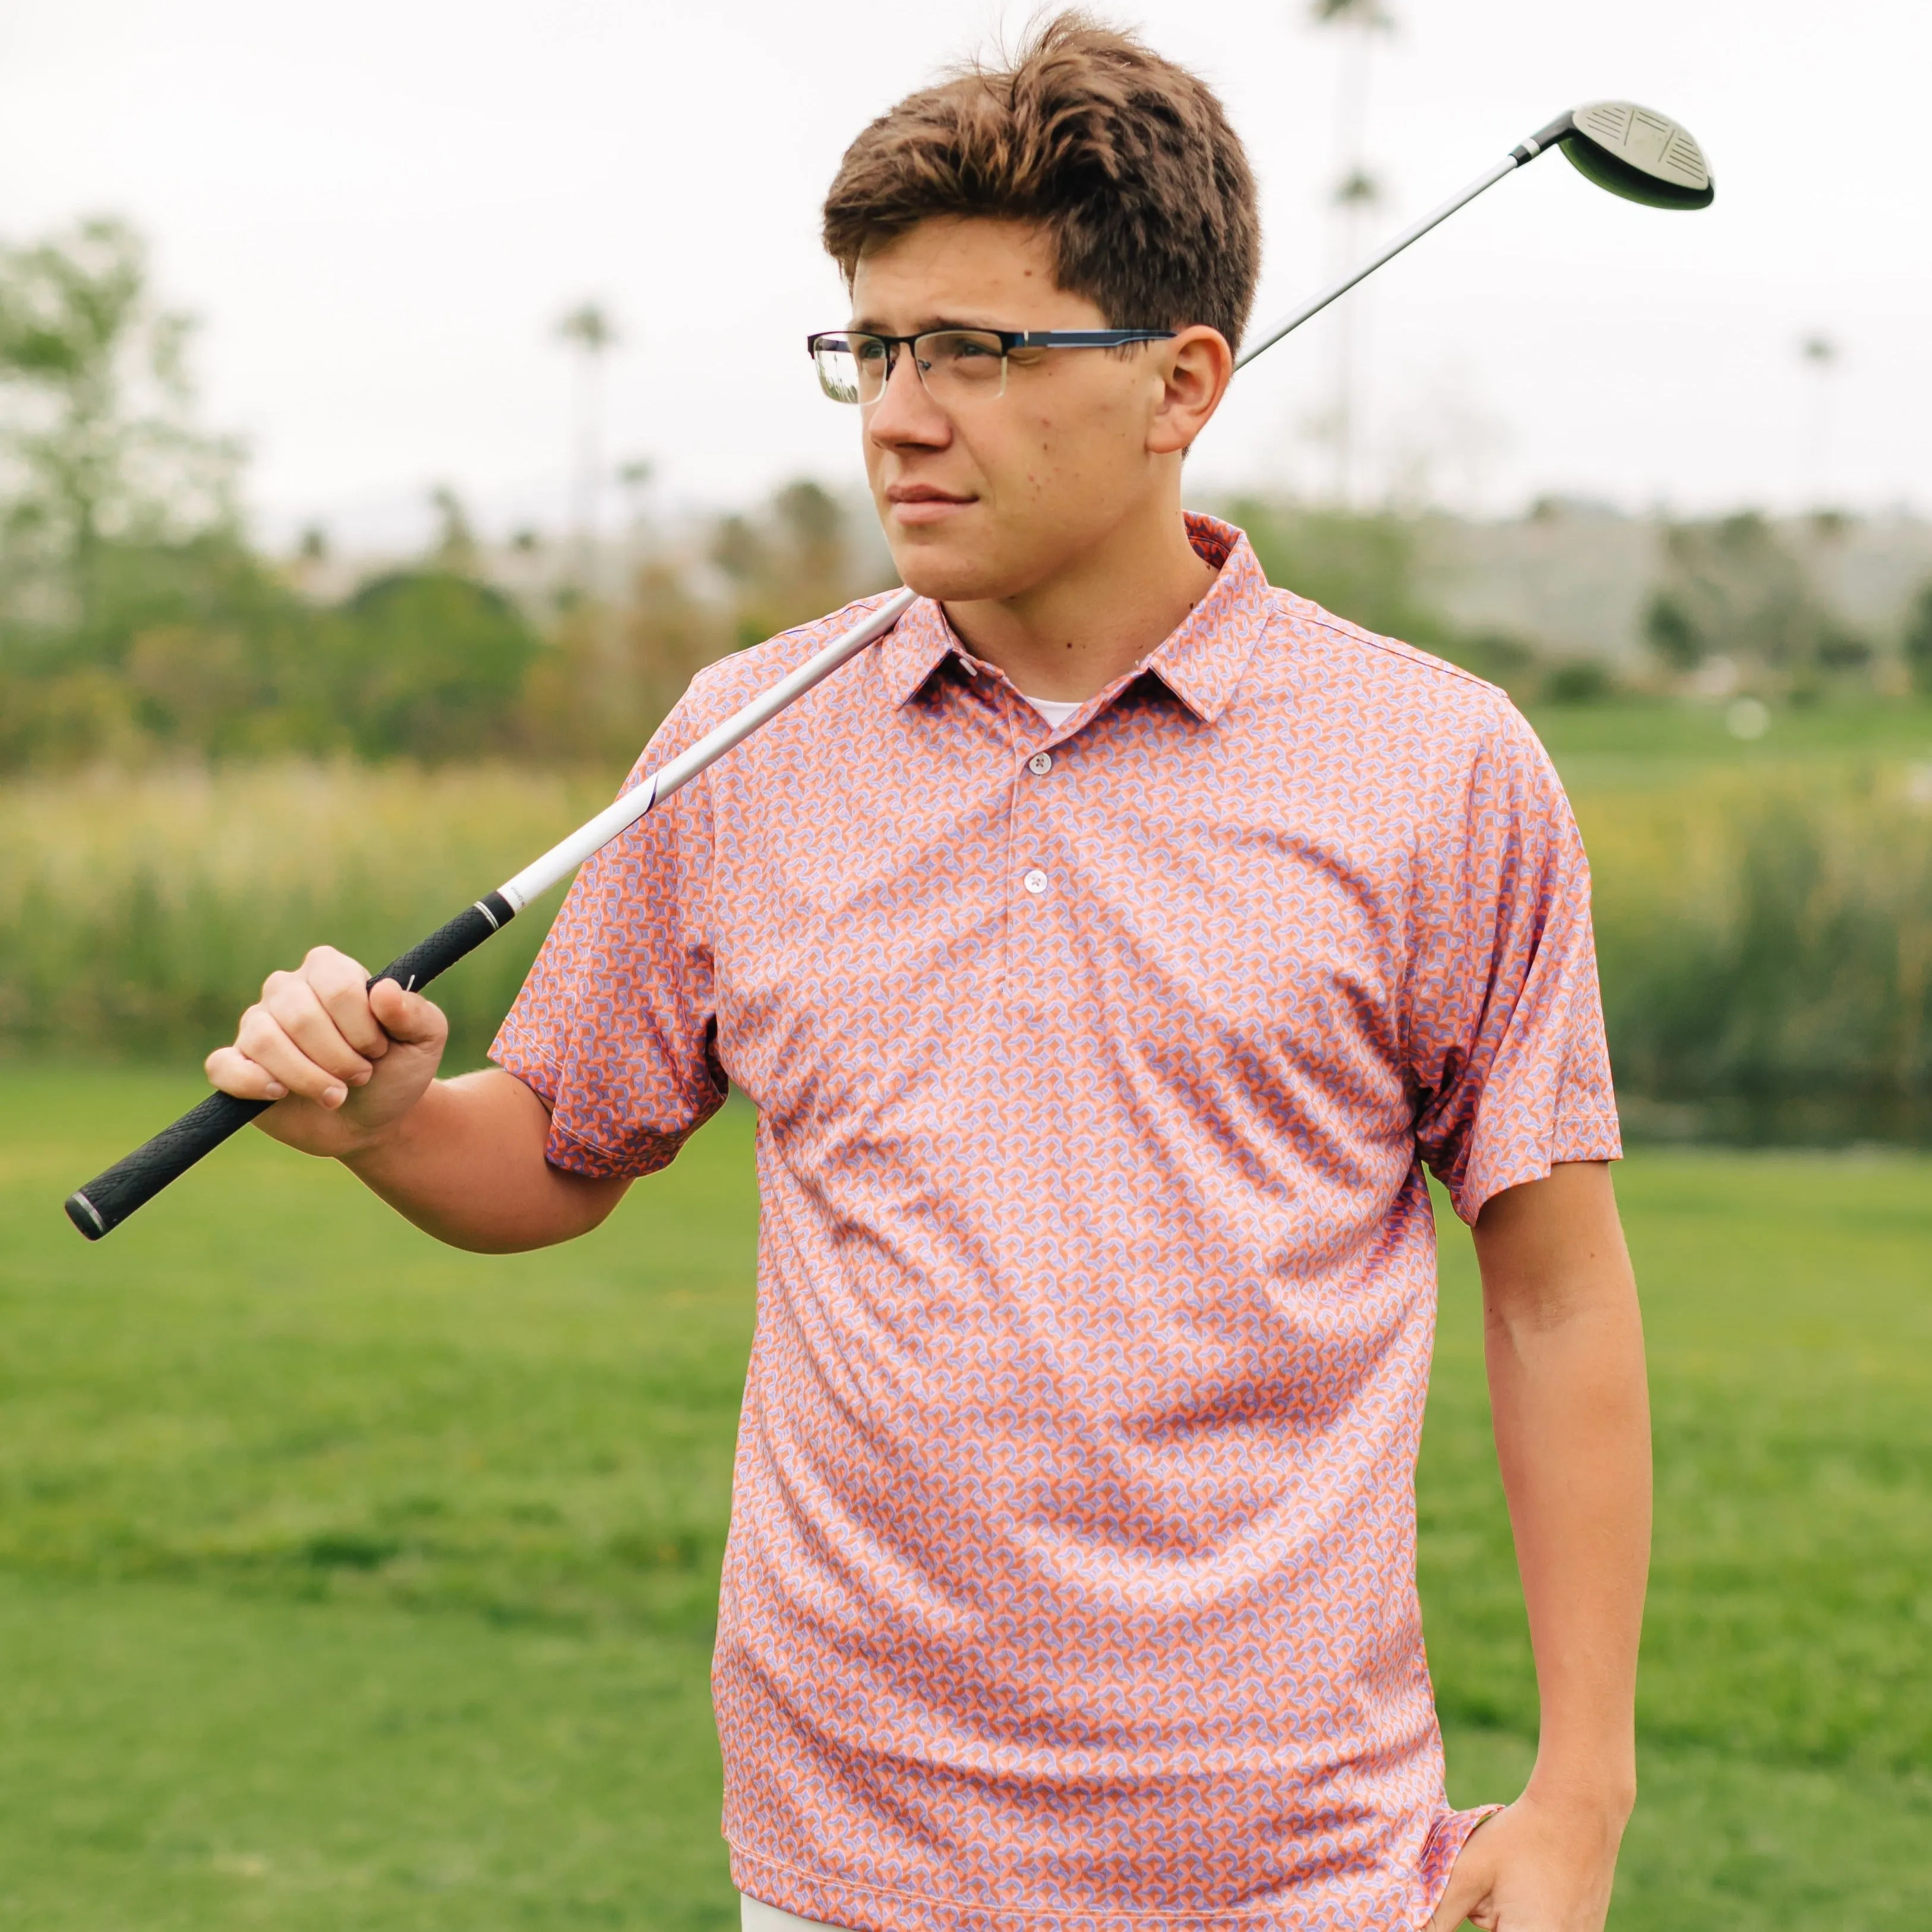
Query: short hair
1127	160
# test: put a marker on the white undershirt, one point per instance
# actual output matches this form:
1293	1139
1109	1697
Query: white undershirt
1055	710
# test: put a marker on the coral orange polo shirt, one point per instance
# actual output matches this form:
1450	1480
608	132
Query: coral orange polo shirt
1071	1582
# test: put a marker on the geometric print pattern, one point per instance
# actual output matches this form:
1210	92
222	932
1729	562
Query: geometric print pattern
1071	1579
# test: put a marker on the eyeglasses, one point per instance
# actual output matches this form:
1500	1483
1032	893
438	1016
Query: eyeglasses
956	365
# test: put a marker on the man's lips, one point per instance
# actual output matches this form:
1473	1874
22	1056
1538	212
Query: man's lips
923	502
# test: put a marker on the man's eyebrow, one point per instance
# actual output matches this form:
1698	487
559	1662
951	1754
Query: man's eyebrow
870	325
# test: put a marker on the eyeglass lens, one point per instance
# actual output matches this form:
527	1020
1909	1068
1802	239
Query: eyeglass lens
957	365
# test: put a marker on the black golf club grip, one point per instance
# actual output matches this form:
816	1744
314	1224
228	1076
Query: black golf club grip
110	1198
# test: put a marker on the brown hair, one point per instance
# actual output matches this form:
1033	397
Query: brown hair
1127	160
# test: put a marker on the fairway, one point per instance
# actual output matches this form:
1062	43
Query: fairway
347	1582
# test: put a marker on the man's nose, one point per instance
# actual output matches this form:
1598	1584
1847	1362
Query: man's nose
905	412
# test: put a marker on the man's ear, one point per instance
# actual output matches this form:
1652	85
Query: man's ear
1196	368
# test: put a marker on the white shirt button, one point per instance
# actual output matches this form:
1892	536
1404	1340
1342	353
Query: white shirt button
1035	881
1040	764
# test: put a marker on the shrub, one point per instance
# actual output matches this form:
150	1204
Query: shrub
1579	681
1918	642
1765	944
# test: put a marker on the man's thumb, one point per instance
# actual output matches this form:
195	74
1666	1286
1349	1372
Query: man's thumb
1468	1883
408	1018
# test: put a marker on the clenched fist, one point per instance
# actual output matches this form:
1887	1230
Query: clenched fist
345	1061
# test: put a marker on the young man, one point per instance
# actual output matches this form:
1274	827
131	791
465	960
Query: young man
1104	951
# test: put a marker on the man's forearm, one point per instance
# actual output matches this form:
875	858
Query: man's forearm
466	1164
351	1068
1564	1343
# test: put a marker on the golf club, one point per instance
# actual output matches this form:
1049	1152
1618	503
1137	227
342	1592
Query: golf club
1634	151
1631	151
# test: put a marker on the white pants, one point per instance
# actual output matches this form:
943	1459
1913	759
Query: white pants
758	1918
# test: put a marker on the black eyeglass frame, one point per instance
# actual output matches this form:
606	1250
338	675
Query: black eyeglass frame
1009	340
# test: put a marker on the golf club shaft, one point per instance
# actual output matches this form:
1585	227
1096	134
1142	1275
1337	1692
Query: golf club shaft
107	1200
1336	290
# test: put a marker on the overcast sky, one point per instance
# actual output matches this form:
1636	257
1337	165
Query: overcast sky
380	210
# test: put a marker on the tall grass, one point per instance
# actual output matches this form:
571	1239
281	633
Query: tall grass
1765	934
138	914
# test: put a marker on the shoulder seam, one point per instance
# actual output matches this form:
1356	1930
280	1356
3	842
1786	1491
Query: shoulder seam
1394	647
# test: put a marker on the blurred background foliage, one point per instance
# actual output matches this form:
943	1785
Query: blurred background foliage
138	623
211	756
1764	938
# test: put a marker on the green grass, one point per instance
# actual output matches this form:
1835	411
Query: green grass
345	1581
1785	1708
1634	742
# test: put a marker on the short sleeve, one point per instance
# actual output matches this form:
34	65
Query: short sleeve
1505	1024
615	1026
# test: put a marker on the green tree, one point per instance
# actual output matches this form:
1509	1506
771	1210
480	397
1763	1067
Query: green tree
455	549
1736	587
1672	634
429	664
792	563
1918	642
100	457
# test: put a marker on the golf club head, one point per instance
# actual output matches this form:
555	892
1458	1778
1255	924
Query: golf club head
1639	153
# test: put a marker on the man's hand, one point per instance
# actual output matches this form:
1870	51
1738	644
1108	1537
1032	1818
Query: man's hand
353	1073
1537	1867
346	1063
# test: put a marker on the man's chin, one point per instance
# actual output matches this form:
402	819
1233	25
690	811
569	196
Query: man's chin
950	574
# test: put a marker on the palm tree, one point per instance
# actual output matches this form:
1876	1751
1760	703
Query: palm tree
1356	193
590	331
1820	355
455	549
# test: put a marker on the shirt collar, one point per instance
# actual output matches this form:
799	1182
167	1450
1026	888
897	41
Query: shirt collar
916	646
1201	661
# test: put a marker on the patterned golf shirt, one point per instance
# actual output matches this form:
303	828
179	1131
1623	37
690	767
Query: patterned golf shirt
1071	1585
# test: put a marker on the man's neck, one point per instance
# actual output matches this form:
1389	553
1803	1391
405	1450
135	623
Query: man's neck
1096	618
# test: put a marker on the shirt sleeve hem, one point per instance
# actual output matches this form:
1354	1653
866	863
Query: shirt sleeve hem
566	1148
1594	1135
535	1069
570	1150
